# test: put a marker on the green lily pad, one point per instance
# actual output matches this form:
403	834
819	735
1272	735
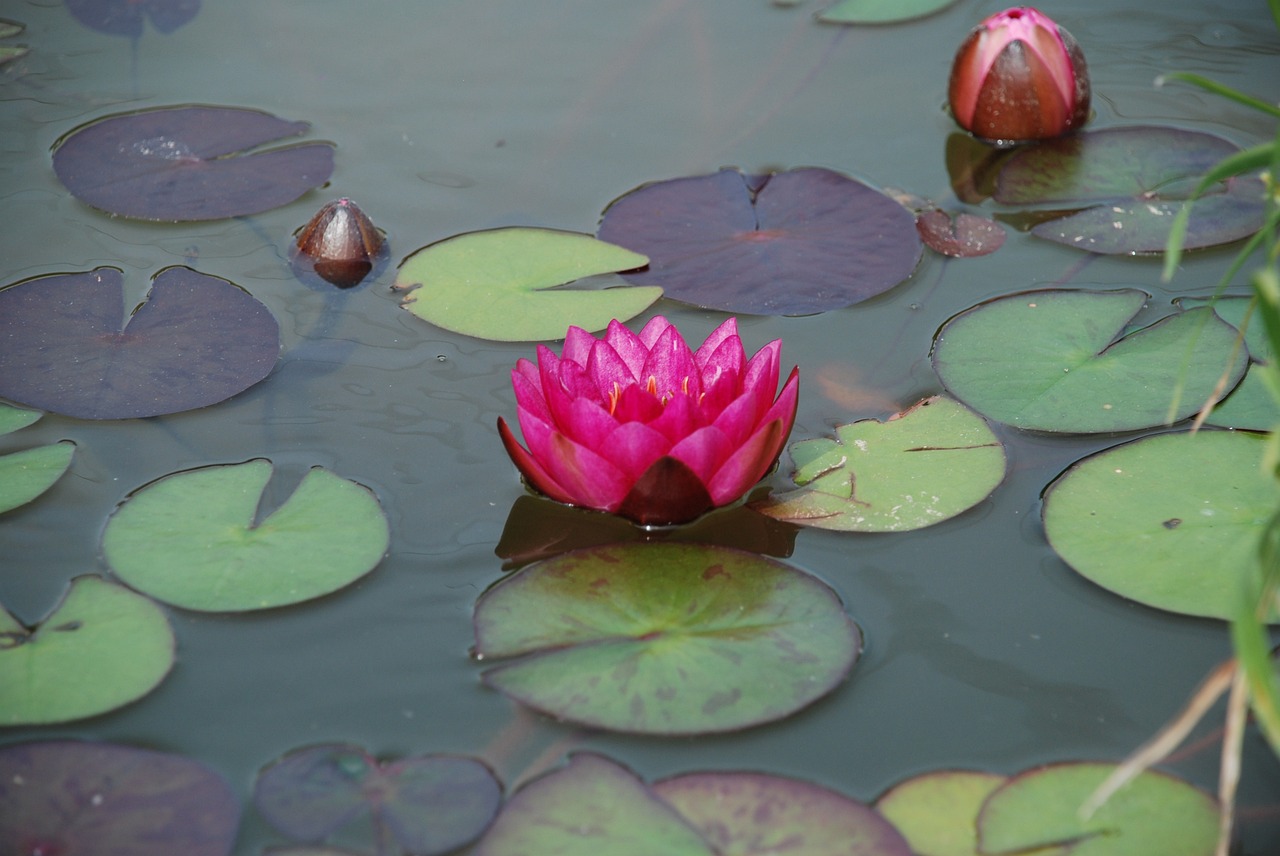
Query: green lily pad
881	11
589	807
920	467
1250	406
190	539
26	474
1172	520
1128	184
102	647
1155	815
756	813
937	812
501	284
665	638
1053	360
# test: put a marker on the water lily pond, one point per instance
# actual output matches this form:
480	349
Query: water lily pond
284	570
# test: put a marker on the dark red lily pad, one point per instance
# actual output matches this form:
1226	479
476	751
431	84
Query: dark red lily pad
65	346
72	798
189	163
1125	185
961	235
788	243
428	804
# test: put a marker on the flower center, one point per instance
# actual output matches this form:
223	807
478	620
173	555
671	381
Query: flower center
651	387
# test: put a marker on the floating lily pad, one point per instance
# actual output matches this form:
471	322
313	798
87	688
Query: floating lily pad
665	638
190	539
427	804
790	243
502	284
1172	521
626	818
72	798
102	647
189	163
922	466
937	812
1155	815
1129	184
1053	360
1250	405
881	11
197	340
26	474
755	813
961	235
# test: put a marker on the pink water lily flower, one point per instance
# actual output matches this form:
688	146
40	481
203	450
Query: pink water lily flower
644	427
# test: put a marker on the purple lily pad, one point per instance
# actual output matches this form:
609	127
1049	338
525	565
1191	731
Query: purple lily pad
428	804
74	798
127	17
742	812
1127	184
189	163
197	340
960	235
789	243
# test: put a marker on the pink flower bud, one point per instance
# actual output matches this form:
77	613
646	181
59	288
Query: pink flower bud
1019	76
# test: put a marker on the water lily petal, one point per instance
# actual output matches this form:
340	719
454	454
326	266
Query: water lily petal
725	332
586	477
747	465
727	360
538	478
529	390
635	404
628	346
577	345
566	386
633	447
679	418
704	452
607	368
738	420
651	331
589	424
671	366
668	492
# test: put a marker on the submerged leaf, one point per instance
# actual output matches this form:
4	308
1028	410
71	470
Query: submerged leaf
189	163
502	284
67	346
665	638
70	798
190	539
428	804
789	243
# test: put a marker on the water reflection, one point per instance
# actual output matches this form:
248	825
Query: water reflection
538	528
128	17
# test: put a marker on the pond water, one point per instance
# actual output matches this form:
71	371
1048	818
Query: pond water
983	649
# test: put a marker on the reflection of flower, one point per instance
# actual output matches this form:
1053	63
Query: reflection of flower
641	426
1019	76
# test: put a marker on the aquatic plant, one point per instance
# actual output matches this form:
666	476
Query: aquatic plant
1019	76
644	427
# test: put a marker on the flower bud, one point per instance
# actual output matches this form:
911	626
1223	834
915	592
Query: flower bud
1019	76
340	244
